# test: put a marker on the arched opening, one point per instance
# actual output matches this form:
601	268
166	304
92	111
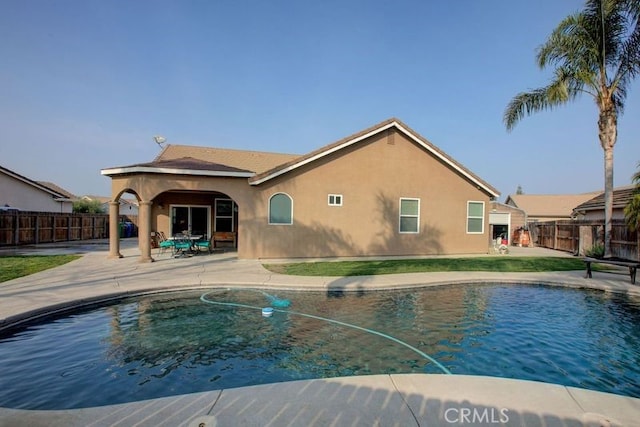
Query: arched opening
128	213
211	214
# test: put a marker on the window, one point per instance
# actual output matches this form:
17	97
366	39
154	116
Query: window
475	217
335	199
224	215
280	209
409	215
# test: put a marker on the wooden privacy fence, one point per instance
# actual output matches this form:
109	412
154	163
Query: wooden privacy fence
23	228
579	236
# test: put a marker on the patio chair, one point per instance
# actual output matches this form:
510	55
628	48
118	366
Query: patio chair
165	244
204	243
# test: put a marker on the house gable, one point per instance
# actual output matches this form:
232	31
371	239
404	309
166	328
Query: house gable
374	180
39	186
23	193
362	137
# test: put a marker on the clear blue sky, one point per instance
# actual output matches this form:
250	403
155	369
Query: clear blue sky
85	84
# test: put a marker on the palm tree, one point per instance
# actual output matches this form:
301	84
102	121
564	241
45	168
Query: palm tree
632	209
595	51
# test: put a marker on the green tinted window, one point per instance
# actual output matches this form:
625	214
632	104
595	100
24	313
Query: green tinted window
409	215
280	209
409	207
475	217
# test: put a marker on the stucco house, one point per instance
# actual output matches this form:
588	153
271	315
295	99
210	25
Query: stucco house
21	193
593	209
384	191
548	207
506	220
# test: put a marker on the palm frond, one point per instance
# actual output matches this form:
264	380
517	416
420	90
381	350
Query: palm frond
594	51
524	104
633	6
571	42
636	178
632	213
630	55
566	86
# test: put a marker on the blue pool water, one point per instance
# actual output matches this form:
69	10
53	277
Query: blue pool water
184	342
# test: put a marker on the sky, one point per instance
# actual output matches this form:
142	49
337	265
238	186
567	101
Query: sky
86	84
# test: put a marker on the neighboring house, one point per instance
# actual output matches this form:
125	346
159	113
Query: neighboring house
22	193
506	220
385	191
593	209
127	206
548	207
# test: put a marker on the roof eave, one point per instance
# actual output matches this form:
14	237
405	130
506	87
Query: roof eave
173	171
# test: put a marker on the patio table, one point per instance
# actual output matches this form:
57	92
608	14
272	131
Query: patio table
191	239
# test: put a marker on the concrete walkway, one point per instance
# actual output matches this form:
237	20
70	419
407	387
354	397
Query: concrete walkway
395	400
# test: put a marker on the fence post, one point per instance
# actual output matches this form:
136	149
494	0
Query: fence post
36	231
16	228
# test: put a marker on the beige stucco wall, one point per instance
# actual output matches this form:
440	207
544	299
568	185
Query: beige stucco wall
372	177
23	196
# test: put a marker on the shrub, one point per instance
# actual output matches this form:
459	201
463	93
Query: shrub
596	251
87	206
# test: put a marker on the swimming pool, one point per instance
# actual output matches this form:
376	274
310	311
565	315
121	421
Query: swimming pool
183	342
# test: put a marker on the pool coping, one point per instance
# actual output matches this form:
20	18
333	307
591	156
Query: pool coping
396	399
93	280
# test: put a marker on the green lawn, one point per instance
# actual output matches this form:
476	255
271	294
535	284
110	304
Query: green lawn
366	268
12	267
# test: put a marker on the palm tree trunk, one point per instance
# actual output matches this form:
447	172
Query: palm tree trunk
608	133
608	199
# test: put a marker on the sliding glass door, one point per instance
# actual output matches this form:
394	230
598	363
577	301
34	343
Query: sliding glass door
192	219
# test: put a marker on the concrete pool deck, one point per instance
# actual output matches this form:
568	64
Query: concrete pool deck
402	400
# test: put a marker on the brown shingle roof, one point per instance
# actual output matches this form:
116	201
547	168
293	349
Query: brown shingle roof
191	164
621	196
253	161
268	165
57	189
548	205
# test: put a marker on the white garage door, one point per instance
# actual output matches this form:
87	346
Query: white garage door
499	218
